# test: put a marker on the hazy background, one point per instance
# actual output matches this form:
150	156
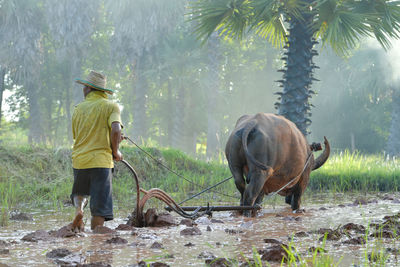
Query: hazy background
175	91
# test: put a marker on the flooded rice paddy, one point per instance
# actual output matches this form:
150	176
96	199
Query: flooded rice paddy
225	235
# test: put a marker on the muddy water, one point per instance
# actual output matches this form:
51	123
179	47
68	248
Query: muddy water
235	237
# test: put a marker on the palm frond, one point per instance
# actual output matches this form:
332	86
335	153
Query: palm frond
386	22
344	28
229	17
268	21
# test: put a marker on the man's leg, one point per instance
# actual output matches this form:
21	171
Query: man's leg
79	203
80	191
96	221
101	205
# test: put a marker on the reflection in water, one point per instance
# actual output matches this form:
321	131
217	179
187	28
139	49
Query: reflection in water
235	236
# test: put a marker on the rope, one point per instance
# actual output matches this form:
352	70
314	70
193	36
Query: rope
291	181
179	175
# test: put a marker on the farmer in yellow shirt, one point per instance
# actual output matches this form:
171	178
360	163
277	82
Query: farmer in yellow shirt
96	128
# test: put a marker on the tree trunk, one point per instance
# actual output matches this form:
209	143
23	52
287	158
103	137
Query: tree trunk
393	144
298	73
140	104
178	133
35	119
2	88
212	96
76	73
68	111
170	125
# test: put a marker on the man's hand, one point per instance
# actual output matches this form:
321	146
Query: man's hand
117	156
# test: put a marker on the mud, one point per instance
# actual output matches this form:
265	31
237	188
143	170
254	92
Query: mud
346	227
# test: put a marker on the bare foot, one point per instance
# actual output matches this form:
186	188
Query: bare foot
77	224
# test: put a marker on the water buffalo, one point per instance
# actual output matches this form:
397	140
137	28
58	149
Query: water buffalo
271	152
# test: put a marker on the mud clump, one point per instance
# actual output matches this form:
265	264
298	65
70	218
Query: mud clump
355	241
117	241
218	262
354	227
4	251
21	216
58	253
206	255
187	222
216	221
301	234
64	232
153	264
383	234
103	230
190	244
233	231
36	236
157	245
272	241
124	227
190	231
274	253
95	264
152	219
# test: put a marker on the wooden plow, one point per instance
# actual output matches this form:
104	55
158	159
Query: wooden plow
172	205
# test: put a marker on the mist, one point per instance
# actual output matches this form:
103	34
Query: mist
175	90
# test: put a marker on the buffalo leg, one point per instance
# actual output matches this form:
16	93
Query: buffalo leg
296	197
255	187
239	181
288	199
259	198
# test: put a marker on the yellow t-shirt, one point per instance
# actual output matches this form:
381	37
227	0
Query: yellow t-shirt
91	128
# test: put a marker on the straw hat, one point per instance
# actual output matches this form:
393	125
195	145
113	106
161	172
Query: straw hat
97	81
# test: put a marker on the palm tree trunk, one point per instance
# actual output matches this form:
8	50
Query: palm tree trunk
298	73
212	96
393	143
2	77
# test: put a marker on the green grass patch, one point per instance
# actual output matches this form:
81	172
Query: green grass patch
357	172
43	176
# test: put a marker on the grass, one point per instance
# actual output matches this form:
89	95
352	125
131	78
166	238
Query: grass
43	176
357	172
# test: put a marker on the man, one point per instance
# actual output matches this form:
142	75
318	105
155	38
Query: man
96	128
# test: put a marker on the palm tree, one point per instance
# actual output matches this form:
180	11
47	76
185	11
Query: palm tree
297	25
138	28
21	27
71	25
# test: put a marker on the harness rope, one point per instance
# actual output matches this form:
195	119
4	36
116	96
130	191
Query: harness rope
158	193
181	176
291	181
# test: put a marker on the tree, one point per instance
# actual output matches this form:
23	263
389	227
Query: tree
340	24
71	24
138	28
21	31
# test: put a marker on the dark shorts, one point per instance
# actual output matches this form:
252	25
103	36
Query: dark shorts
96	183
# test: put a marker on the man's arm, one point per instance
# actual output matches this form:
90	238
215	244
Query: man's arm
116	137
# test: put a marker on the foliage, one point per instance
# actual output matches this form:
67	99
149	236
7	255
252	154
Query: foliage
41	92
